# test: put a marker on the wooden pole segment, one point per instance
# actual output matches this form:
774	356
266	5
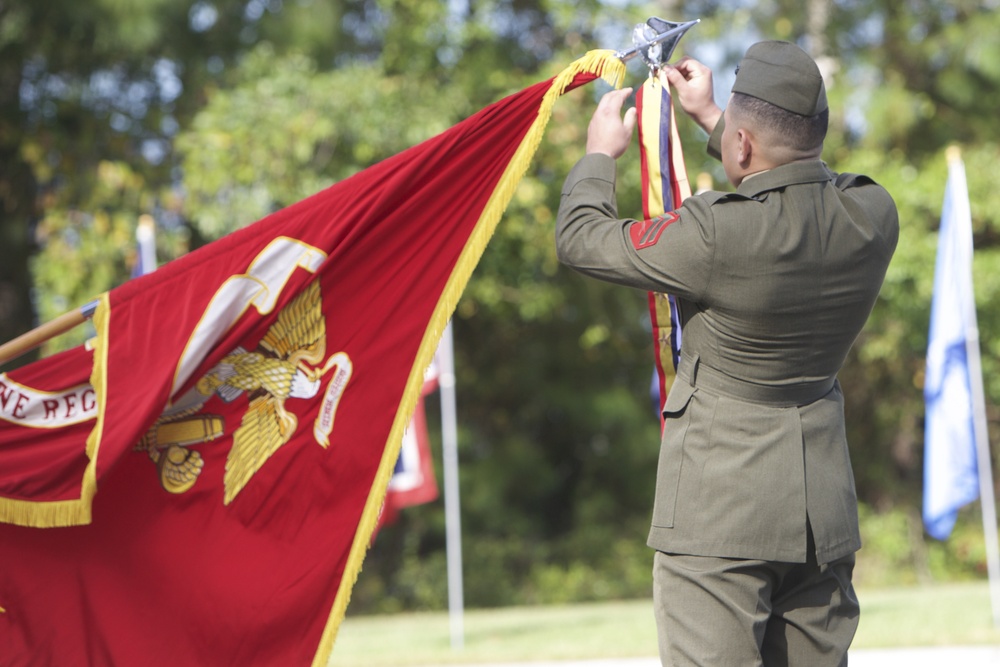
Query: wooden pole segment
37	336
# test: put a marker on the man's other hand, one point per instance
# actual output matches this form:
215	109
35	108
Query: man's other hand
609	132
693	82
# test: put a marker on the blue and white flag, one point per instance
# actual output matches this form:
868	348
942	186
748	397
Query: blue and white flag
950	469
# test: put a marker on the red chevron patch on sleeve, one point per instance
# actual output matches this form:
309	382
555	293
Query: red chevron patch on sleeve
646	233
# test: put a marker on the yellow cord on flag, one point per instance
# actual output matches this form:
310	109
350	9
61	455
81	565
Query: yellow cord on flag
602	63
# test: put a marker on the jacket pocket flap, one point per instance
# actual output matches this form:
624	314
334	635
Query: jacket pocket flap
678	397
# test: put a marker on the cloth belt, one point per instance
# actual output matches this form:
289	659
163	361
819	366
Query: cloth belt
698	374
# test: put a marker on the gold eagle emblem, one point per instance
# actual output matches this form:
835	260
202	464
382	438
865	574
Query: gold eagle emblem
286	364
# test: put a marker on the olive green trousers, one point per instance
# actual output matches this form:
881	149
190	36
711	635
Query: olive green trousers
724	612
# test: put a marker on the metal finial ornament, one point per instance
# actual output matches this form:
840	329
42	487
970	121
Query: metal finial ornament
654	41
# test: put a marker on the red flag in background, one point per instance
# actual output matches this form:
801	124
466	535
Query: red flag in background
200	489
413	482
664	187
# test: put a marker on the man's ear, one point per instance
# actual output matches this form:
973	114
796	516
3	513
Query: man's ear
744	147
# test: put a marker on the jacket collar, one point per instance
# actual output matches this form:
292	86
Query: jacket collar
793	173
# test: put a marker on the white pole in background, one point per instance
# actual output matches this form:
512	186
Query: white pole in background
963	215
145	236
453	521
986	496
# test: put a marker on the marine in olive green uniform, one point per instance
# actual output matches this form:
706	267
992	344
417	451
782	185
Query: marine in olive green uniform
755	516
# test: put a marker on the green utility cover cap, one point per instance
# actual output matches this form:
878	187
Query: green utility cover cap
784	75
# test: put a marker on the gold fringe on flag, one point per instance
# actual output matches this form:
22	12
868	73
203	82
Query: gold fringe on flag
601	63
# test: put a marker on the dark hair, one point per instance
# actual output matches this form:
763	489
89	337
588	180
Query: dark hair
792	129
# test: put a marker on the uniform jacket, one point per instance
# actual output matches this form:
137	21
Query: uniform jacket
775	281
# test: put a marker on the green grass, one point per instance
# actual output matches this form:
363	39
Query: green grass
512	634
940	615
952	614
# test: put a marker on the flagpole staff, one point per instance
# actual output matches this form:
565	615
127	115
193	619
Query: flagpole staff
28	341
986	496
452	515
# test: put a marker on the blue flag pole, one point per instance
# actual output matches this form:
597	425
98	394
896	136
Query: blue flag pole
957	465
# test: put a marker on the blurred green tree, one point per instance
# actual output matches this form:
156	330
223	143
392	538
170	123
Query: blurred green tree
211	114
92	88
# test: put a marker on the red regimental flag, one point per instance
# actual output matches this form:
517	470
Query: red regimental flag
202	487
